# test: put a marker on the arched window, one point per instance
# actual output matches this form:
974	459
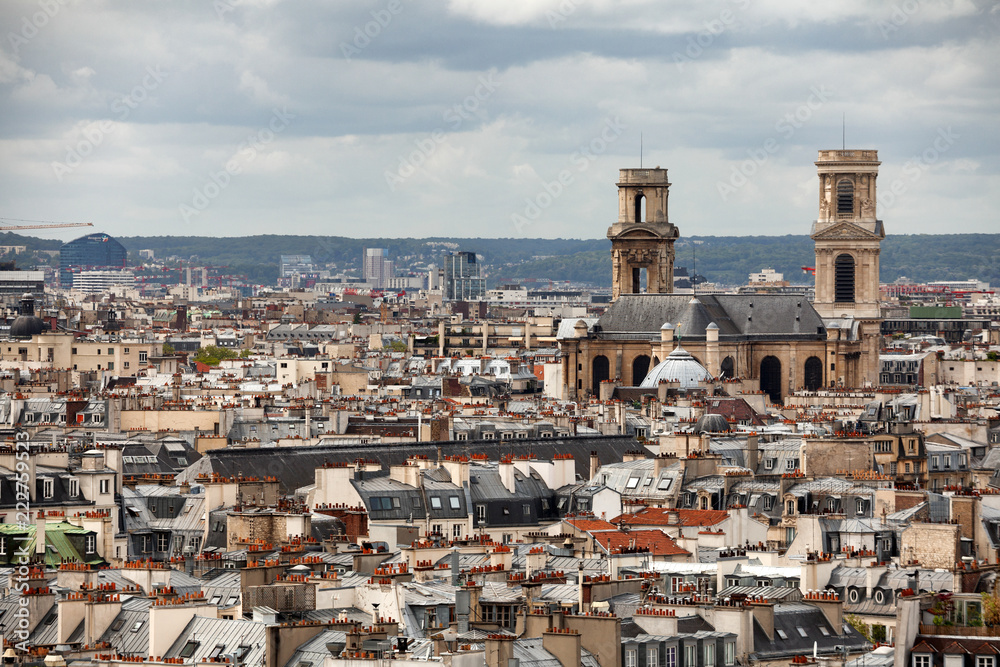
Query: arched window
728	368
601	372
640	208
813	374
845	198
640	366
843	275
770	378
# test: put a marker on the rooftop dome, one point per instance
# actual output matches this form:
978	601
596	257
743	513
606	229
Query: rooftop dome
27	324
711	423
679	366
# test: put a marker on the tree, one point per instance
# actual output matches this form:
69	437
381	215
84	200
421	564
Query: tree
991	607
211	355
168	349
863	628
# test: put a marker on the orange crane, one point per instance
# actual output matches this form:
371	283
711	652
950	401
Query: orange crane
39	224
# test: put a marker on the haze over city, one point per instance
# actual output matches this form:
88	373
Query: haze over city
487	118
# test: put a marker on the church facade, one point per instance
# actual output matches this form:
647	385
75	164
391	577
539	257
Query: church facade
782	340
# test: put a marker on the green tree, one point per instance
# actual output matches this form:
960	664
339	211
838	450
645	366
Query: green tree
211	355
168	349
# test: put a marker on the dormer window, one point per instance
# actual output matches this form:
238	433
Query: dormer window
74	487
48	488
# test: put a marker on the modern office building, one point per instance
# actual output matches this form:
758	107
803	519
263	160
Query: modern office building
462	281
88	253
94	282
377	268
15	283
296	264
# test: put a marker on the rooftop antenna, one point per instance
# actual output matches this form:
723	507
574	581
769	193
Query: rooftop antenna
694	271
640	150
843	134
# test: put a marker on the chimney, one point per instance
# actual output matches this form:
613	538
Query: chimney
462	597
753	451
506	469
499	650
832	607
564	470
40	533
764	613
456	566
564	644
595	464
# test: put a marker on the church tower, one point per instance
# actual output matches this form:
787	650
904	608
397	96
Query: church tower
642	241
847	235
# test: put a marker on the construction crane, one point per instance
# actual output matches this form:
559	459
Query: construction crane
39	224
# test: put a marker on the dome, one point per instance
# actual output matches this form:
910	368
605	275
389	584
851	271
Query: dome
709	423
679	366
27	325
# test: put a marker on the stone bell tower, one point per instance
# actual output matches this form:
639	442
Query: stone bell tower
847	235
643	239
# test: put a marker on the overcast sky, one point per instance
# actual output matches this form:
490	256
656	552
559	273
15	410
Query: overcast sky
407	118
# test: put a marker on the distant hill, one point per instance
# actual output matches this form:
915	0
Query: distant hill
724	259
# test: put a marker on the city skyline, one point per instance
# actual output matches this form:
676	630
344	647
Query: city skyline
489	119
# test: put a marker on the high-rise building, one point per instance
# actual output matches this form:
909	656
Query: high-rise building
377	268
296	264
462	281
93	251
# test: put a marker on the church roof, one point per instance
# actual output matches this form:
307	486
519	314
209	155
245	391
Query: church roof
738	316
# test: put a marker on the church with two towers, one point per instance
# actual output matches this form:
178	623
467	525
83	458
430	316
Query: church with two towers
782	340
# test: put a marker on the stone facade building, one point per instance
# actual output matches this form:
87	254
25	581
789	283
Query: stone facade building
782	340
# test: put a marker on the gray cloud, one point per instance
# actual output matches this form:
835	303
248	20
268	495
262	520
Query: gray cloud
122	112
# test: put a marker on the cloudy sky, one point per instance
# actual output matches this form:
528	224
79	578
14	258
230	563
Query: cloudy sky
460	118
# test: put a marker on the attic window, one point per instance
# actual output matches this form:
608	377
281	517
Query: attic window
136	626
665	484
781	633
117	625
823	630
632	483
189	648
455	503
217	651
436	502
216	599
649	480
801	630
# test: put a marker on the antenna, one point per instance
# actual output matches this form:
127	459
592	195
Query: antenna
694	272
843	135
640	150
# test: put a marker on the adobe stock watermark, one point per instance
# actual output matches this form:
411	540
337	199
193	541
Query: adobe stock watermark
697	44
31	25
18	626
581	160
902	13
454	116
914	168
95	133
562	12
363	35
246	152
786	126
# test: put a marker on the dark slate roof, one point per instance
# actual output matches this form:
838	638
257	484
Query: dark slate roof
294	466
788	618
738	316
